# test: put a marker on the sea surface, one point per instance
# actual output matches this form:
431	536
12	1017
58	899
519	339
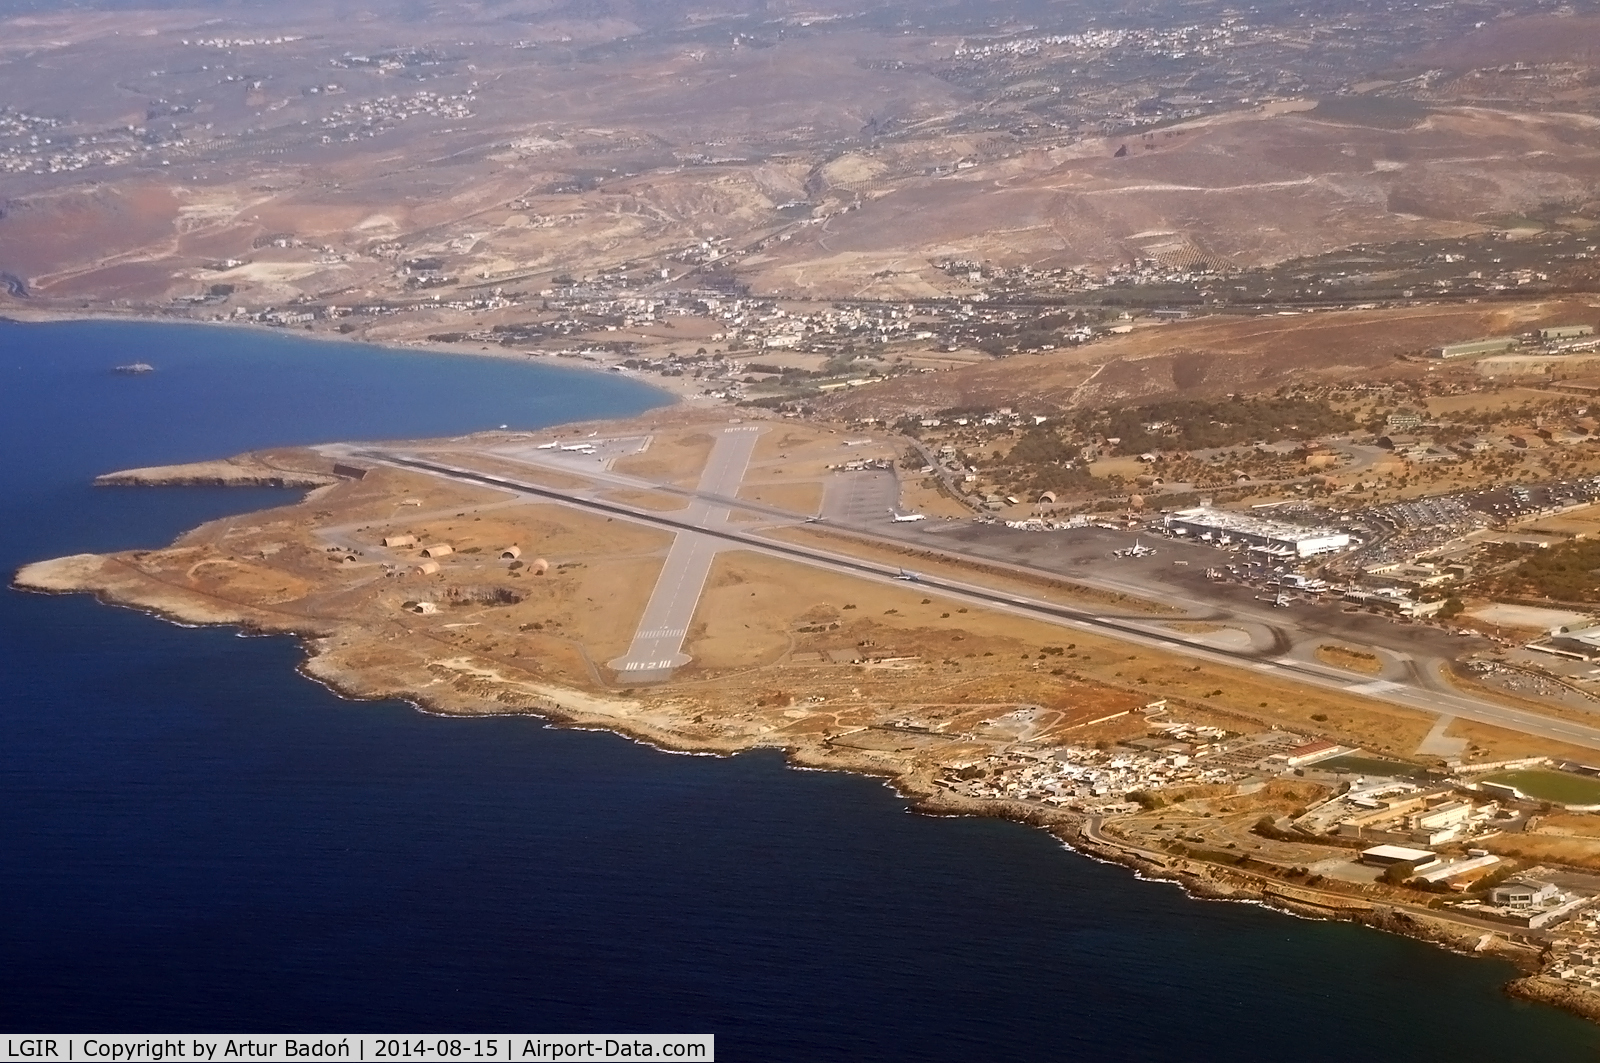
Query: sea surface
195	838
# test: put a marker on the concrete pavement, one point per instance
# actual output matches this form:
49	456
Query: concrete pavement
657	648
1422	693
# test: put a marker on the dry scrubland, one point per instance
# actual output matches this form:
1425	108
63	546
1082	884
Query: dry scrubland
770	637
761	643
1211	356
642	149
471	165
1350	659
886	677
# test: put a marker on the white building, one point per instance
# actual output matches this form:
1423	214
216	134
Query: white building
1270	536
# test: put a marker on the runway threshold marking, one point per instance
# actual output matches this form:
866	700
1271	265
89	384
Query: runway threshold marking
646	666
688	562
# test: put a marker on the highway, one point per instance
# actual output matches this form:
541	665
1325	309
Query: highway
1414	693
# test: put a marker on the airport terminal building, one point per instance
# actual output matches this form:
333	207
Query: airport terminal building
1275	537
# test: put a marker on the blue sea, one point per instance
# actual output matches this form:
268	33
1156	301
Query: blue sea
193	837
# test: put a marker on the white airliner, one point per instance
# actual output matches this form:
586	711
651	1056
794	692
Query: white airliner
909	577
582	448
1136	550
906	518
548	446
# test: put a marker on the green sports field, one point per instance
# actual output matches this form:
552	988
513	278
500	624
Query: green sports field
1558	786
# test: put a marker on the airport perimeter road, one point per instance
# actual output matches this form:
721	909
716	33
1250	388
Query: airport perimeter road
1143	633
657	647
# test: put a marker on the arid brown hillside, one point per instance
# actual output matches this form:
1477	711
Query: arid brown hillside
1536	39
1245	189
1210	356
831	156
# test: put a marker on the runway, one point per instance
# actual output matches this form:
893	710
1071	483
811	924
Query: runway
657	647
1413	693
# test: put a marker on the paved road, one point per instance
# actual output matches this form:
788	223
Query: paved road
1140	631
657	648
952	486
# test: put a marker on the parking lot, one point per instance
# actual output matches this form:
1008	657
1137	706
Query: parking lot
1517	501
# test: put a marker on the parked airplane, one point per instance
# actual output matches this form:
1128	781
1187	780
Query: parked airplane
548	446
1136	550
905	518
582	448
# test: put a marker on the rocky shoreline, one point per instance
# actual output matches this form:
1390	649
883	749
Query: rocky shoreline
470	692
231	472
1555	993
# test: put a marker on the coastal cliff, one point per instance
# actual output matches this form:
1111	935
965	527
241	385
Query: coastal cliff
247	471
1542	989
469	684
838	673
